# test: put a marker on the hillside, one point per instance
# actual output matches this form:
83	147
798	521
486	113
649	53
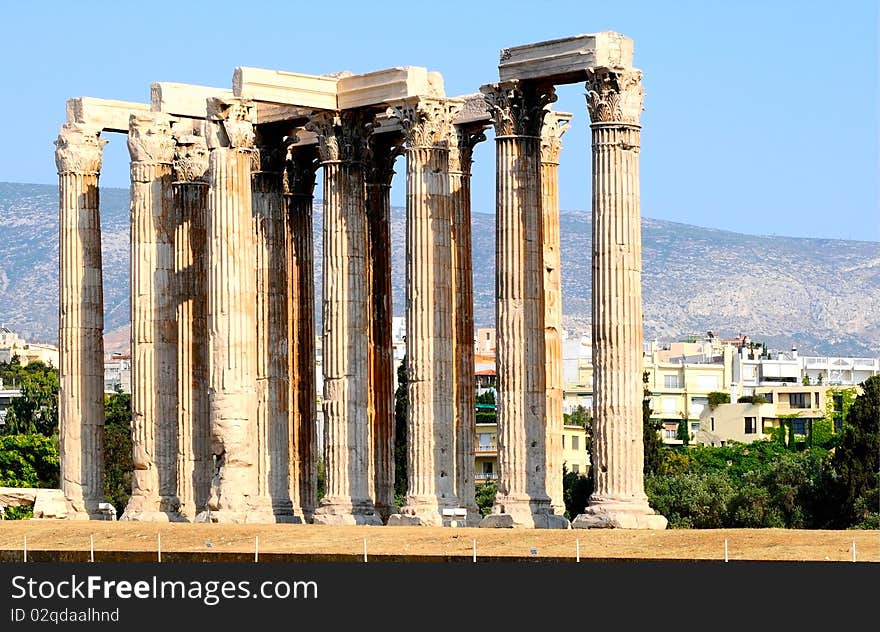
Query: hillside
821	295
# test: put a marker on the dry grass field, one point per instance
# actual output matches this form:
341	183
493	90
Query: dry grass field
122	541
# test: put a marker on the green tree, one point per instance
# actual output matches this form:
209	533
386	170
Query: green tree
716	398
486	397
650	432
401	406
485	497
28	461
857	458
576	490
683	432
35	411
806	380
118	450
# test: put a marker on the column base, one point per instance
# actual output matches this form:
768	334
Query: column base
342	511
85	510
228	516
619	515
508	513
422	511
146	509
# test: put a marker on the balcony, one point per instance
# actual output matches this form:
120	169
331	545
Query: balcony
483	449
485	477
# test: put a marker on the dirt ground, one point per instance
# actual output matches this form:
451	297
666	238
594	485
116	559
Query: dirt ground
71	541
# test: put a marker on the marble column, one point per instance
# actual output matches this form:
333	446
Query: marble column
429	315
190	195
614	100
78	153
303	458
383	150
555	125
153	322
272	385
461	146
342	138
518	111
232	332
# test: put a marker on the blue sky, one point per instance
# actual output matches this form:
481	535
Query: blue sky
760	117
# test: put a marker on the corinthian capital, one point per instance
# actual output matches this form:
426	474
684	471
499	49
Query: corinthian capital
614	95
382	151
191	159
78	149
427	122
342	136
517	108
461	146
231	123
555	125
150	139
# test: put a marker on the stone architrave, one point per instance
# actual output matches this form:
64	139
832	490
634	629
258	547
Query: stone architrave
78	154
429	315
299	188
190	195
383	150
153	322
272	385
232	331
555	125
614	100
461	146
518	110
342	138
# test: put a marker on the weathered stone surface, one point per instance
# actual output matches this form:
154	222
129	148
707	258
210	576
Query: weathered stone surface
290	88
565	60
388	86
46	503
78	157
183	99
623	519
103	114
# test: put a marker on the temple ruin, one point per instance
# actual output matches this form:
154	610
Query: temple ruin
222	293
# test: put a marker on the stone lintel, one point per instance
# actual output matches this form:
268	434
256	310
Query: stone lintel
286	88
277	113
181	99
473	110
107	115
565	60
389	85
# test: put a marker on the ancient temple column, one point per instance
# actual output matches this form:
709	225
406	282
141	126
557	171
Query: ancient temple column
461	145
555	125
272	385
518	110
153	322
190	194
614	100
299	254
232	332
341	145
379	171
429	315
81	320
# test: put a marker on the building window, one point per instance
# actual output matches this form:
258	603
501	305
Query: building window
487	467
670	434
768	396
563	442
575	443
712	419
576	468
799	400
800	426
816	399
671	381
751	426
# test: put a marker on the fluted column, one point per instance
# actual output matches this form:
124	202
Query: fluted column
379	171
555	125
518	111
190	194
153	322
614	100
429	315
232	317
303	461
341	141
461	145
81	320
273	394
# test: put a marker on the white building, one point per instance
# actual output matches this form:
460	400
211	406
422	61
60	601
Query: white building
838	371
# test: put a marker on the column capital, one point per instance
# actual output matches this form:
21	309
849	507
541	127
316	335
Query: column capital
149	138
426	122
555	125
271	153
191	159
517	108
462	141
302	163
78	149
382	150
342	135
230	123
614	95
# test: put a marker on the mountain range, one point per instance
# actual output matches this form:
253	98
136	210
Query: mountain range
820	295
